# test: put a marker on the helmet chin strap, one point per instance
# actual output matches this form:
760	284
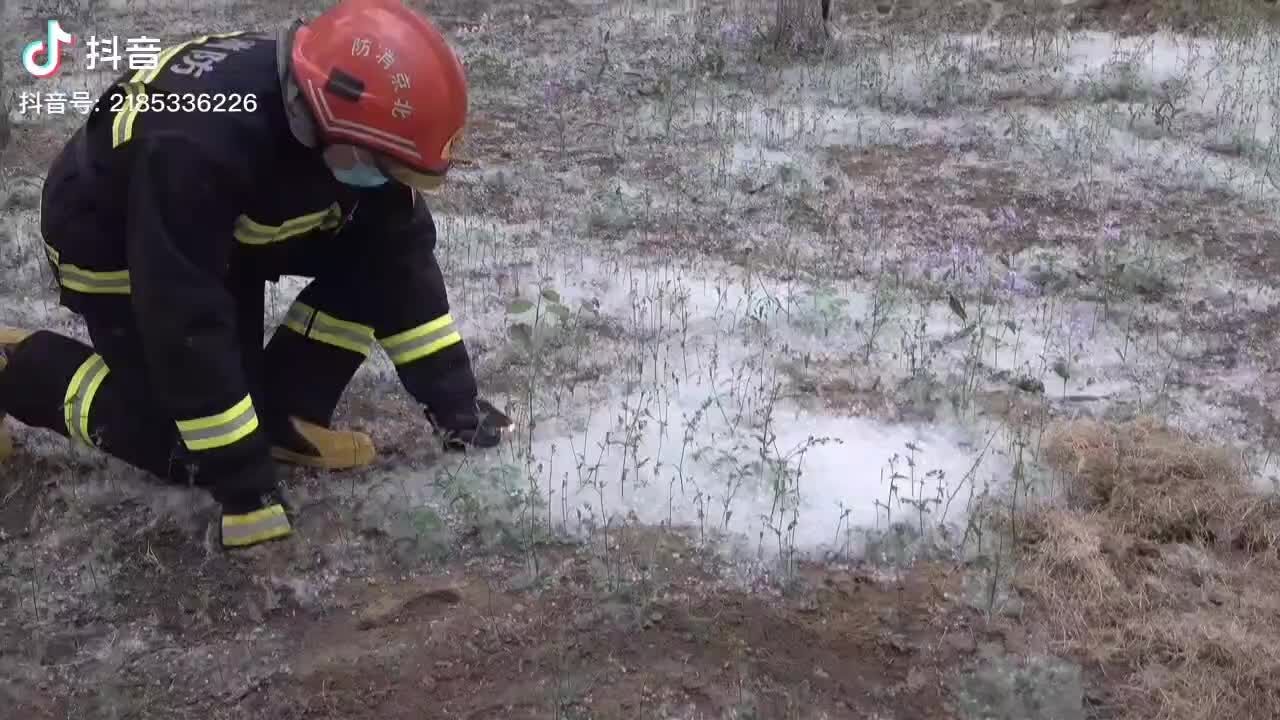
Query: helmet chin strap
301	123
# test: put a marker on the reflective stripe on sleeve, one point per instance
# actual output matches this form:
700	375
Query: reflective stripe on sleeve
251	232
79	398
419	342
92	282
221	430
323	327
258	526
122	125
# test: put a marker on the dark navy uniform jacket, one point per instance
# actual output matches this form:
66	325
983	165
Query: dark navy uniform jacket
192	176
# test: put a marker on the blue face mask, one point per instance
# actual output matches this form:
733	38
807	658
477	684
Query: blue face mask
361	175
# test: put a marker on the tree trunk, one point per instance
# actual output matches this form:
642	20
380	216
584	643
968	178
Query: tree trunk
4	94
799	25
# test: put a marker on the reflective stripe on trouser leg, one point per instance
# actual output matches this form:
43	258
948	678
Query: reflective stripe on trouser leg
421	341
323	327
312	395
120	416
221	430
258	526
79	398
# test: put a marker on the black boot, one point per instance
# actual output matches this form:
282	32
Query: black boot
10	338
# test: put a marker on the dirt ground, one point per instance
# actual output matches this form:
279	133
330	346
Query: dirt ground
136	617
648	628
1121	16
116	602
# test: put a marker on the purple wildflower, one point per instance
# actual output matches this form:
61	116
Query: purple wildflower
1111	234
732	33
1008	218
552	91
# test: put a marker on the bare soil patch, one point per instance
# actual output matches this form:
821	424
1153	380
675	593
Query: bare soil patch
653	628
1158	573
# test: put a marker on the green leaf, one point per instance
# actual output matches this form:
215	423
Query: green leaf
559	311
521	334
551	294
426	521
518	306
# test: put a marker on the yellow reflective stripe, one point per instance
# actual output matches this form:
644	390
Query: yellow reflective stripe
114	282
251	232
258	526
95	282
323	327
298	317
122	126
220	430
147	75
79	397
421	341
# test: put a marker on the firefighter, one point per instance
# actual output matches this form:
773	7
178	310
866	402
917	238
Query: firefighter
241	157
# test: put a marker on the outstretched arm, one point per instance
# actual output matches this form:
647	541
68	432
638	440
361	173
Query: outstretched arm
412	319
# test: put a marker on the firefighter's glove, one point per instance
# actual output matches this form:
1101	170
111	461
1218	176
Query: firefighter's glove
254	519
478	425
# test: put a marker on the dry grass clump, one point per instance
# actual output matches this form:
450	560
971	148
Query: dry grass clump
1157	482
1258	524
1160	571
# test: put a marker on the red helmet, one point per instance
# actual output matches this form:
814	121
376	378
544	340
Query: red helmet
380	76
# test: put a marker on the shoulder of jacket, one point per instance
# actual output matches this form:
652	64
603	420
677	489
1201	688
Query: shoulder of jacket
199	156
240	61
